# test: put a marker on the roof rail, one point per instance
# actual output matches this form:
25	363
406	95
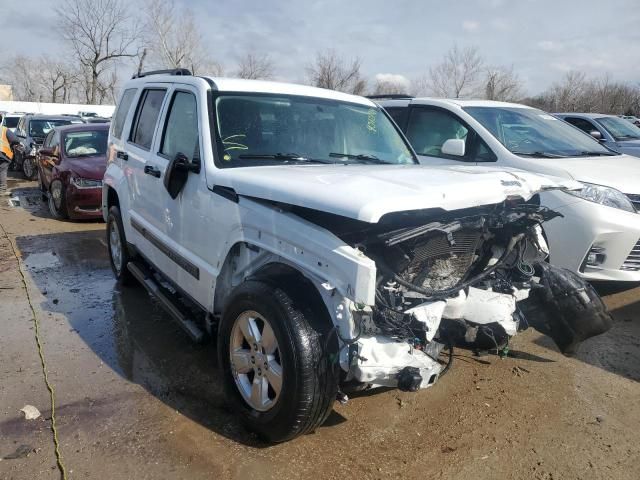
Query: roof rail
172	71
391	96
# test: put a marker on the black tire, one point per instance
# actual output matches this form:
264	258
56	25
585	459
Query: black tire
58	201
118	262
43	191
309	379
29	170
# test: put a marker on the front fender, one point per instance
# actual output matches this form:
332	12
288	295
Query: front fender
307	246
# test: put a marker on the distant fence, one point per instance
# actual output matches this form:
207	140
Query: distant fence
55	108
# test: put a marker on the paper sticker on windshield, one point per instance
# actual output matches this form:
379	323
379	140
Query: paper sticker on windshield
372	116
546	116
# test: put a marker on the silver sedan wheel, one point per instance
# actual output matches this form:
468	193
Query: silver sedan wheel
255	361
115	247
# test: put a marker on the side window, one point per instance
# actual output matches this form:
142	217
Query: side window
399	115
483	152
181	127
428	129
121	114
144	123
55	139
584	125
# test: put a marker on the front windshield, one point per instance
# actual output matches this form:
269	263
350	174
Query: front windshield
620	129
266	129
87	143
531	132
40	128
11	122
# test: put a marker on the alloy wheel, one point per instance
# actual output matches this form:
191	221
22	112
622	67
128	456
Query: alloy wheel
255	361
115	247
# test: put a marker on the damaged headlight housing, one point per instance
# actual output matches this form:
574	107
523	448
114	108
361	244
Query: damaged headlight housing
85	182
604	196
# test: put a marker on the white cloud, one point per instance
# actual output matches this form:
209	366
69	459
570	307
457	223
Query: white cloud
549	46
500	24
470	25
393	79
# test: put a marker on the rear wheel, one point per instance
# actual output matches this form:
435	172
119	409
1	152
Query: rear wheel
119	255
43	190
57	200
277	375
29	168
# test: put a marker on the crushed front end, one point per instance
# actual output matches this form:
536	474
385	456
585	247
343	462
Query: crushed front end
472	278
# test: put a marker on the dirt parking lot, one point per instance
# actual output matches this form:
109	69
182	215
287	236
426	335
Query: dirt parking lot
135	399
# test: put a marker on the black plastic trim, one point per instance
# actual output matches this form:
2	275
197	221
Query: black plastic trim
178	259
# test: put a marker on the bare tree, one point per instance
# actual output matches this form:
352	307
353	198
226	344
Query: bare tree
39	79
174	40
56	80
332	72
458	74
502	84
100	32
255	67
21	74
388	84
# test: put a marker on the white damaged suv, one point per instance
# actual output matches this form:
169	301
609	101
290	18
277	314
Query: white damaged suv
296	225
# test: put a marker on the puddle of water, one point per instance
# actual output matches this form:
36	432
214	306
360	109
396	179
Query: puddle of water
41	260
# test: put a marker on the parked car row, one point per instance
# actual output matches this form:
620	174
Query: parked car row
32	129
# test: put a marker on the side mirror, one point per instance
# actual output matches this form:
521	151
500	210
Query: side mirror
596	134
454	147
45	151
177	172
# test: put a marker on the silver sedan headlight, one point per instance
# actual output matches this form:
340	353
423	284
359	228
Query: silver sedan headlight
604	196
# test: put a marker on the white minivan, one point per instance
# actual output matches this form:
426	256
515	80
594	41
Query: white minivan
599	233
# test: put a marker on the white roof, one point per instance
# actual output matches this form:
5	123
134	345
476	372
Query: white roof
466	103
223	84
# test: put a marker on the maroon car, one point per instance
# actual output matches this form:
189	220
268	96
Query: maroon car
71	164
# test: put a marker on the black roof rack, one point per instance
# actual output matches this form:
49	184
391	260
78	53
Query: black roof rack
172	71
391	96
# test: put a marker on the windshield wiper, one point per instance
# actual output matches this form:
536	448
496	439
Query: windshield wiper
282	156
540	154
362	157
596	154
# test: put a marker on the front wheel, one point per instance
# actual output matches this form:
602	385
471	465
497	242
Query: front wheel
118	251
57	201
276	373
29	168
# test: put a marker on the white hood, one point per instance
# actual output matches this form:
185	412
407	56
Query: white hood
367	192
621	172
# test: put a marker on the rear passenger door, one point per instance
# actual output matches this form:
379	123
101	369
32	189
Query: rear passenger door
428	128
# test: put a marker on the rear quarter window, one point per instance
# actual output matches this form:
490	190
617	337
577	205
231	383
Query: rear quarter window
121	114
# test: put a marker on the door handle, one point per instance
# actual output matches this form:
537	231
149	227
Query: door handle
151	170
122	155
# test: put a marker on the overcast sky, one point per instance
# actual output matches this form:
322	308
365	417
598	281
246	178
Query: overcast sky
542	39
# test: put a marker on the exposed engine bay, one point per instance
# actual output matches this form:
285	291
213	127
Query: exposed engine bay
471	278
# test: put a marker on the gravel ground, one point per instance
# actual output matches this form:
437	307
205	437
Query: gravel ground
135	399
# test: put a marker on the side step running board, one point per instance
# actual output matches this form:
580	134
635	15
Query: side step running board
167	300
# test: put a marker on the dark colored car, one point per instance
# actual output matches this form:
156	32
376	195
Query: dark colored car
616	133
71	164
32	130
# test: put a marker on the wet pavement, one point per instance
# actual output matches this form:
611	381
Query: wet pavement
136	399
